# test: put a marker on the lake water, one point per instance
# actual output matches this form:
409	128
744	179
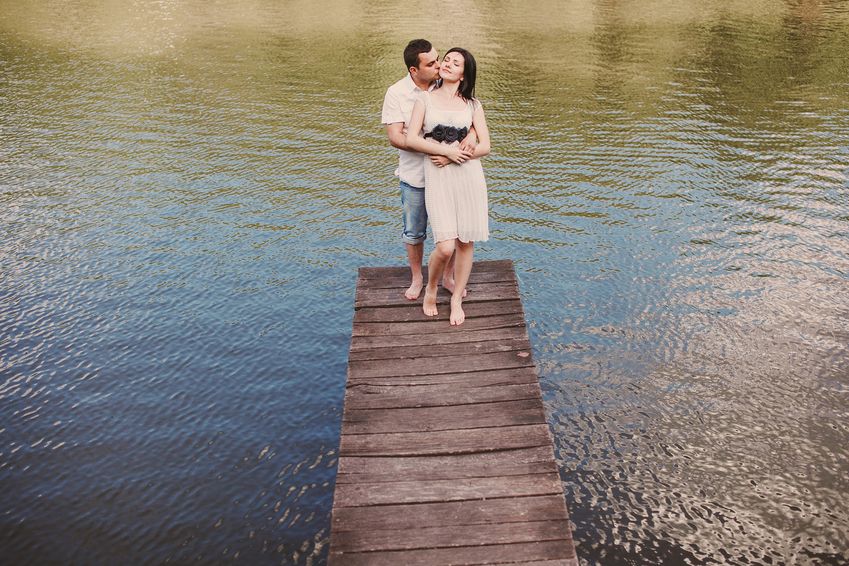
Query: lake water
188	188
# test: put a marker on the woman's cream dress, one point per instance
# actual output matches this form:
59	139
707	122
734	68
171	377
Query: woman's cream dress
455	195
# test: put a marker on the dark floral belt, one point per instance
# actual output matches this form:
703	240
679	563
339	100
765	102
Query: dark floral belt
448	134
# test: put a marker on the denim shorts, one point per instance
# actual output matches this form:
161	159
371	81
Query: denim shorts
414	214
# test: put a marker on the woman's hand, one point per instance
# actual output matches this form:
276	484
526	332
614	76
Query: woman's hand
457	155
439	160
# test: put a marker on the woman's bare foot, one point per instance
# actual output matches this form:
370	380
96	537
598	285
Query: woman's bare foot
457	313
429	303
415	289
448	285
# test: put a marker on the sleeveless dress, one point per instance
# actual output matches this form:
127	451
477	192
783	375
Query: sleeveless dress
455	195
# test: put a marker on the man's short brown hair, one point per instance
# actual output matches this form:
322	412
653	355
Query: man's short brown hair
413	50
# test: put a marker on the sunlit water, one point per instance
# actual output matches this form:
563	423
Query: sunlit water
187	189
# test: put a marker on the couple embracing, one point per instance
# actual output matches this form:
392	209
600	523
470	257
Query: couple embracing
434	119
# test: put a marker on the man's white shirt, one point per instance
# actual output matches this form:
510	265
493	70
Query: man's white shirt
398	107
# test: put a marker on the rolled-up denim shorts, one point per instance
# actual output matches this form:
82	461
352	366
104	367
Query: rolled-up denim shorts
414	214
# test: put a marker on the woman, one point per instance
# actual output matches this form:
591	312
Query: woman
455	188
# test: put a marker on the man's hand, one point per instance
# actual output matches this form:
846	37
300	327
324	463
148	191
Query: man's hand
439	160
469	143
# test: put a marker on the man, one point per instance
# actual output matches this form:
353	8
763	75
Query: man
422	61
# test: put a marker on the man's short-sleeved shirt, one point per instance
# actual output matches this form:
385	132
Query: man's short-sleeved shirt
398	107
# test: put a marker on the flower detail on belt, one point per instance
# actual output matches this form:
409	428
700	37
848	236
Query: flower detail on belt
447	134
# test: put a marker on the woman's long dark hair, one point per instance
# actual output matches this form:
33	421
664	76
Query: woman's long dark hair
470	70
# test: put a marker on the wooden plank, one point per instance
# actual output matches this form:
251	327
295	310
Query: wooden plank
475	512
487	464
451	473
375	297
401	283
413	312
503	265
439	350
437	326
450	536
359	343
444	442
489	378
555	562
450	417
429	491
486	554
396	397
445	364
395	297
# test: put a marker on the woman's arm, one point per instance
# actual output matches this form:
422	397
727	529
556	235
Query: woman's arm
479	124
418	143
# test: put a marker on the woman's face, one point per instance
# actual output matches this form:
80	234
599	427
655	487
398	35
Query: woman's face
452	66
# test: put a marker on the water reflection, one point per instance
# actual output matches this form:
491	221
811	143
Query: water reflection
187	189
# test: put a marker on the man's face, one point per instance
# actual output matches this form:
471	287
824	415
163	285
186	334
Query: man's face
428	69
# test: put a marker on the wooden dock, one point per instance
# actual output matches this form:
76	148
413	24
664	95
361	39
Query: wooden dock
445	455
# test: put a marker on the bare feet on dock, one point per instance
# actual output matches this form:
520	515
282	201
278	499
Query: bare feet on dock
429	303
457	314
415	289
448	285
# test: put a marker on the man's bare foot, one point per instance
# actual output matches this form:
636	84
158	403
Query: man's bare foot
448	285
457	314
429	303
415	289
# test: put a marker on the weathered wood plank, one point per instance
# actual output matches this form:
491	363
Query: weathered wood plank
503	265
557	562
437	326
396	397
481	465
475	512
452	474
395	297
486	554
488	378
450	417
413	312
359	343
445	364
439	350
430	491
401	283
444	442
450	536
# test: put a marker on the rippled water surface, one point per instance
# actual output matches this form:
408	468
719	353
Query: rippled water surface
187	189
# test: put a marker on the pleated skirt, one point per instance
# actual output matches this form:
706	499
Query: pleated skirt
456	201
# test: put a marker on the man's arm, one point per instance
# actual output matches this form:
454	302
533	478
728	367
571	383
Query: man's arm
393	119
396	134
470	142
431	147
